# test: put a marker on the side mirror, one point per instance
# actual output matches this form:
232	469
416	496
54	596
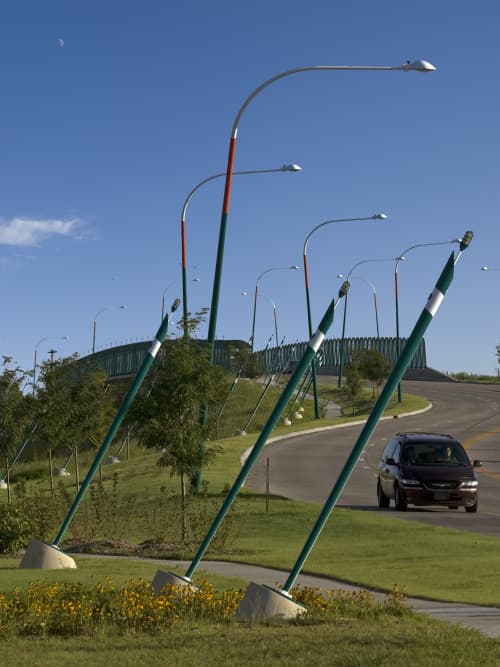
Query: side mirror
390	461
477	464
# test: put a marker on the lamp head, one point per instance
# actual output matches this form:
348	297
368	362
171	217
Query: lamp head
344	288
123	307
466	239
485	268
175	305
291	167
418	66
379	216
295	267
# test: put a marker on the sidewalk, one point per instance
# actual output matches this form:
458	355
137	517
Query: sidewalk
484	619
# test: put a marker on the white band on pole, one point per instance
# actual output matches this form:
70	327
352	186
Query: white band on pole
434	301
316	340
155	346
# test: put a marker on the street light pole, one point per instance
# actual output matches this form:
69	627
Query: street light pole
95	321
42	340
284	168
377	216
364	261
416	66
400	258
256	294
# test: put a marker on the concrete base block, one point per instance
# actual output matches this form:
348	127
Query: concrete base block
297	415
61	472
3	484
162	579
112	459
241	432
286	422
262	602
41	556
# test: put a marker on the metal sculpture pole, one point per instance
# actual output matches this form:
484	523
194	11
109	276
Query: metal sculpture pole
161	334
407	353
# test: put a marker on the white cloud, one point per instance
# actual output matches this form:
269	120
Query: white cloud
28	232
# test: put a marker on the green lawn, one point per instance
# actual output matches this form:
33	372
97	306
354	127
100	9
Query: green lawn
365	548
398	642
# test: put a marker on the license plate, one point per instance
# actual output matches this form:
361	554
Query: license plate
441	495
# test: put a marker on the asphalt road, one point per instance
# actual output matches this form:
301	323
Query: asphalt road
306	466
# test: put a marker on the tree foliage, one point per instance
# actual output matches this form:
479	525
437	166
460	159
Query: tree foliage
72	405
16	409
168	414
373	366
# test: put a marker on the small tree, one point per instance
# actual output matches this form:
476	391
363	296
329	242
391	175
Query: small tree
373	366
168	415
353	385
73	404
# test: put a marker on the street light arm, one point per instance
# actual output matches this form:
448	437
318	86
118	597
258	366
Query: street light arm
418	66
422	245
366	261
377	216
276	268
285	167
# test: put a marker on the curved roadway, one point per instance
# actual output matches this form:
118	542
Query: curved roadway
306	466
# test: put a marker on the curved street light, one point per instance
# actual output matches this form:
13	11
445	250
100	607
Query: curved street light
374	291
275	311
95	320
364	261
416	66
284	168
256	294
376	216
42	340
400	258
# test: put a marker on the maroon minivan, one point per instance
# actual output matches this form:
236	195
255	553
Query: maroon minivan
426	469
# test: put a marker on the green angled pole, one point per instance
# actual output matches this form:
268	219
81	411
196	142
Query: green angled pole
407	353
309	354
161	334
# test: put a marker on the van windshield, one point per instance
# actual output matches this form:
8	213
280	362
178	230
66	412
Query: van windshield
425	453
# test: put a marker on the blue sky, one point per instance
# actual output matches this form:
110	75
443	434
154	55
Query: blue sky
113	111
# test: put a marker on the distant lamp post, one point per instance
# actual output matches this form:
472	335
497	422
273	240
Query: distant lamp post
463	243
275	312
256	294
377	216
342	341
42	340
95	320
284	168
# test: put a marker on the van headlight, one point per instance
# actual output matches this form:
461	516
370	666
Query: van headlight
469	484
410	482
